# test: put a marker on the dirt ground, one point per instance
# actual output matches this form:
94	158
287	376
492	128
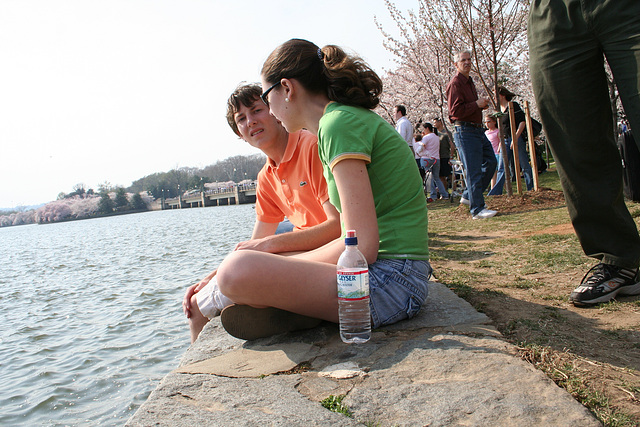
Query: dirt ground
519	268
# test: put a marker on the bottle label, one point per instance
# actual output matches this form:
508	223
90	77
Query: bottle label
353	284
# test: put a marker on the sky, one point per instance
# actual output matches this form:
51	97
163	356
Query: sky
95	91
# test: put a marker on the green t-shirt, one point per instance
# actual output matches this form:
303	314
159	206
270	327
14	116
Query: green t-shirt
347	132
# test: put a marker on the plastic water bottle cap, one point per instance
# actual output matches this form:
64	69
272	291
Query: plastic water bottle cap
350	238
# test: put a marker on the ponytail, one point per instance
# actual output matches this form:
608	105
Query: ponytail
330	71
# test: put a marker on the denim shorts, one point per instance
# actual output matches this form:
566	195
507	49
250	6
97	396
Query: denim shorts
397	289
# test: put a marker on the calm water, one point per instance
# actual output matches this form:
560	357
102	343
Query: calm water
90	311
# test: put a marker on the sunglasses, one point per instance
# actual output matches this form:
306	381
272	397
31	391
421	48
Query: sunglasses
266	93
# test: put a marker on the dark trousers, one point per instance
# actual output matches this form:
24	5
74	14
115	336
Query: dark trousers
567	41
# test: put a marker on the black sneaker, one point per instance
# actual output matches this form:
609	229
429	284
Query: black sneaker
605	282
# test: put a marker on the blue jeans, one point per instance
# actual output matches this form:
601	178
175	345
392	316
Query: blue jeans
524	166
397	289
427	163
285	227
433	165
479	162
436	182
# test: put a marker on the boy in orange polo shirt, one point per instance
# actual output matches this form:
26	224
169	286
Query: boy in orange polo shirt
291	184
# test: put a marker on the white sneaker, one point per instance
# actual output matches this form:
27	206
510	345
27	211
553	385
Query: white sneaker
467	202
485	213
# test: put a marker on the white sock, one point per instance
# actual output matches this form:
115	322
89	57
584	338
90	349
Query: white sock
211	301
221	301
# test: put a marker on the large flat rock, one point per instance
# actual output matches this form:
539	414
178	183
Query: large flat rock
447	366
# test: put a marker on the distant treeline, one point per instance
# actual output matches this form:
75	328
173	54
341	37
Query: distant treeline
81	205
84	203
236	168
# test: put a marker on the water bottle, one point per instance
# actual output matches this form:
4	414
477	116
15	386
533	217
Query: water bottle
353	293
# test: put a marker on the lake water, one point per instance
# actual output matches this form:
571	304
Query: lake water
90	311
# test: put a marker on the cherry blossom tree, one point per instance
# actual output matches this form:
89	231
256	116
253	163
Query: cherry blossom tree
84	207
54	211
17	218
429	37
77	207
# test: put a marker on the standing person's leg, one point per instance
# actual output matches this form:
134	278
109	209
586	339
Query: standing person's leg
498	188
435	176
470	149
464	199
571	90
525	165
445	172
436	182
494	180
488	160
430	185
426	180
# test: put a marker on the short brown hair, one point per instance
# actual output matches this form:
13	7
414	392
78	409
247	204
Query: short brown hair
245	94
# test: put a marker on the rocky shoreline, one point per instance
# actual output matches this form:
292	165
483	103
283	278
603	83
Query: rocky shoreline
447	366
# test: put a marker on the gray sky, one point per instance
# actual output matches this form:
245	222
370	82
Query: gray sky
113	90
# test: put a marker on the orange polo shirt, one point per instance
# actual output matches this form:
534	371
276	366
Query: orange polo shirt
295	188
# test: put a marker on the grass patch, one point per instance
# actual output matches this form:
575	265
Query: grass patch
457	253
485	264
519	268
554	313
558	298
522	283
611	306
560	367
612	334
635	212
515	324
633	389
556	254
547	239
550	179
334	404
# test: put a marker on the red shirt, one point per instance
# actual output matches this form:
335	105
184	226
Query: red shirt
461	98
